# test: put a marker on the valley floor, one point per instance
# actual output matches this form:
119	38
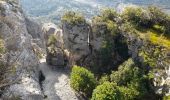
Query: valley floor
56	84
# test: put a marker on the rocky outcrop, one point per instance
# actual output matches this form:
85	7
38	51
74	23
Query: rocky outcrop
54	43
76	39
18	34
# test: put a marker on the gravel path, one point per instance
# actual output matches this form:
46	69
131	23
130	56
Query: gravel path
56	84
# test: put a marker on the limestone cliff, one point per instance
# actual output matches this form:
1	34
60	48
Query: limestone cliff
20	35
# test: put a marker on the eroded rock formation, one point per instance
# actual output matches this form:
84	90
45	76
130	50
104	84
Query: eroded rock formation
19	35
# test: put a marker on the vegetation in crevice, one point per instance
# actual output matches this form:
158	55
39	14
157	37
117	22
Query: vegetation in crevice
120	74
105	25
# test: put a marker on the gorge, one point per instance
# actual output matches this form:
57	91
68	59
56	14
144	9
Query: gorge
82	57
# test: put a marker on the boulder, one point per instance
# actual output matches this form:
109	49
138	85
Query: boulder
55	51
56	58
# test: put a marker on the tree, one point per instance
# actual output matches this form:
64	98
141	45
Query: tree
73	18
137	16
109	14
158	17
130	76
107	91
82	80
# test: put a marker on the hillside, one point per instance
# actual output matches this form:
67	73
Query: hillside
52	10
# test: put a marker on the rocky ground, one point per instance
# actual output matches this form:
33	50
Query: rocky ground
56	84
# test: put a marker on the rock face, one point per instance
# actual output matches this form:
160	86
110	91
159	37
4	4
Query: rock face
76	39
16	32
85	45
54	43
35	30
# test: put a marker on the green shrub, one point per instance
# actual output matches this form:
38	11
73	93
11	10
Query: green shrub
128	93
132	77
126	72
105	22
52	40
104	78
107	91
137	16
109	14
166	98
73	18
51	47
82	80
158	17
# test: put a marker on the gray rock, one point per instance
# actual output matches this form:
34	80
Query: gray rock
76	39
55	52
20	53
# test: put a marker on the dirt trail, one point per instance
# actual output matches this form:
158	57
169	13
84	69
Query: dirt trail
56	84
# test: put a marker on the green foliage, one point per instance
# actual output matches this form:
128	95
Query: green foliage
166	98
112	27
126	72
152	54
73	18
111	91
105	26
132	77
159	28
107	91
157	16
52	40
104	78
51	44
148	18
136	15
128	93
106	21
129	82
109	14
82	80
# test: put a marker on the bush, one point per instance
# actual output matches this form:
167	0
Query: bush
126	72
52	40
51	44
104	78
137	16
107	91
128	93
73	18
158	17
106	22
82	80
109	14
132	77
